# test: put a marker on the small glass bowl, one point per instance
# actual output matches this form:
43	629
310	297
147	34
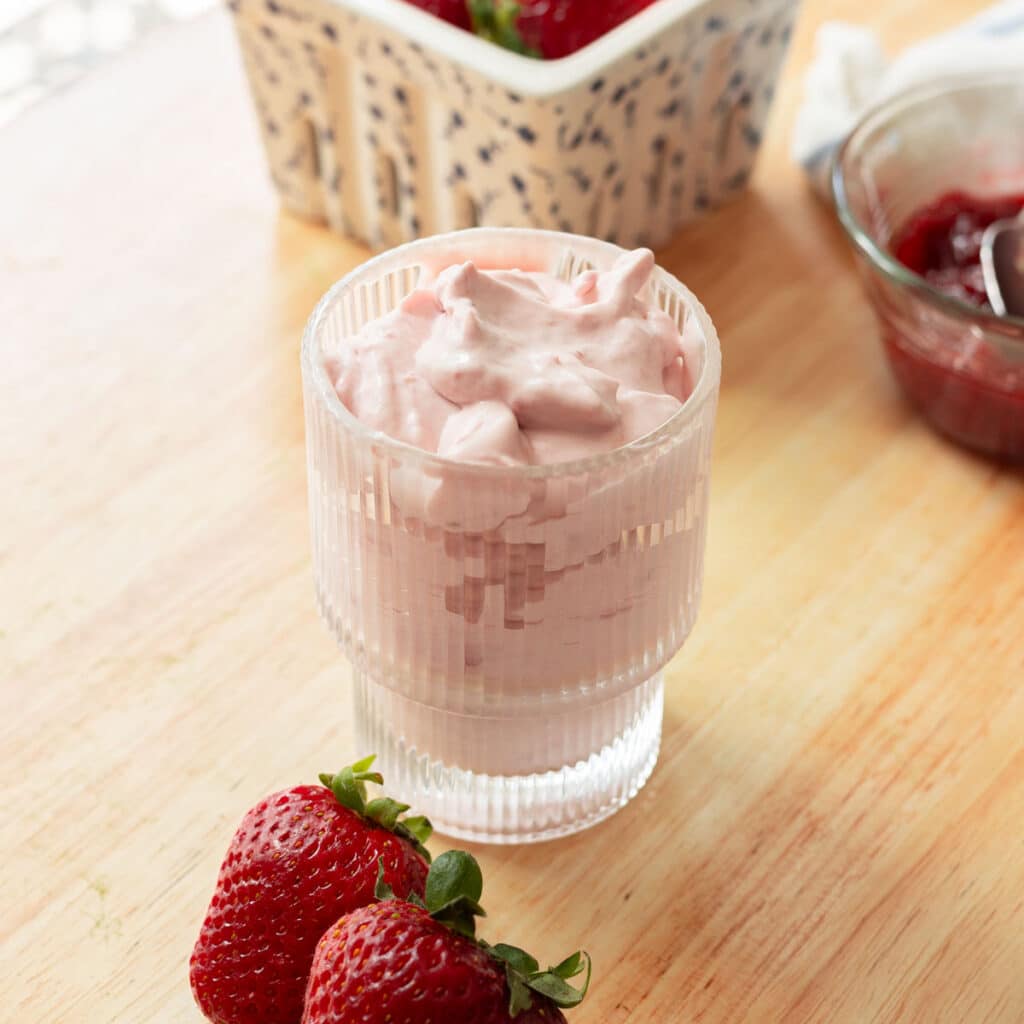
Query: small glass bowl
961	366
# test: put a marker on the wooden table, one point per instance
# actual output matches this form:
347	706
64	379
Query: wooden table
834	831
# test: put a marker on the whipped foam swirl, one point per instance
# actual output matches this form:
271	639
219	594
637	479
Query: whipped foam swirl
510	367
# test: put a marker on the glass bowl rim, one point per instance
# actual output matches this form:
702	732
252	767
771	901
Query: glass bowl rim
688	415
1011	328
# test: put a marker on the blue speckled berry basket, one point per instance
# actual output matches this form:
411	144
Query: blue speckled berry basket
388	124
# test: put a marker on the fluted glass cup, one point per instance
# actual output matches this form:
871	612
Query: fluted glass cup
507	626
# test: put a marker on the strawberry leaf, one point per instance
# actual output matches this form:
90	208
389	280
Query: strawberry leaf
453	891
346	790
552	983
364	764
461	917
516	958
385	811
419	827
520	998
414	840
570	966
455	875
349	785
349	789
495	21
525	977
416	830
560	992
382	890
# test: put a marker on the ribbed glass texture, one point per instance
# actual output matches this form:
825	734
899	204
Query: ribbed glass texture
507	625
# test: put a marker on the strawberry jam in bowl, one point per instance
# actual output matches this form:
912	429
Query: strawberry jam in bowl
916	184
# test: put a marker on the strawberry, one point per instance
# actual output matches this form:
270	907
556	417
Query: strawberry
299	859
397	962
549	28
454	11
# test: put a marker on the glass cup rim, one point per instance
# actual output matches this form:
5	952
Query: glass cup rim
688	414
1010	327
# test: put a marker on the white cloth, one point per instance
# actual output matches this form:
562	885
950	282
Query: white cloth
850	73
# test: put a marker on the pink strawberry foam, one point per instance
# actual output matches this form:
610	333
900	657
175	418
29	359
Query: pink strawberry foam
472	595
510	367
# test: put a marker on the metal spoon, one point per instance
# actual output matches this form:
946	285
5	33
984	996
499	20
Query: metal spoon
1002	264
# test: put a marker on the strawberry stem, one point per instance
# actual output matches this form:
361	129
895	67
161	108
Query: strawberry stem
349	789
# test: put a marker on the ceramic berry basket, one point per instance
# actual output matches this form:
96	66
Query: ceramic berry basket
387	123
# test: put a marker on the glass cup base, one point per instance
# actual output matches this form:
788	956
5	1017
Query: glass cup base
477	791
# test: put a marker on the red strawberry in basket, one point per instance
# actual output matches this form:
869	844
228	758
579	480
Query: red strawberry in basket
549	28
454	11
408	963
299	859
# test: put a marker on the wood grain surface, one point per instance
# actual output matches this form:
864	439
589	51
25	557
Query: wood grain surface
835	831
